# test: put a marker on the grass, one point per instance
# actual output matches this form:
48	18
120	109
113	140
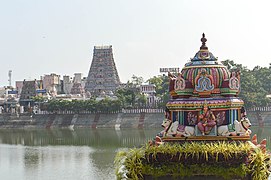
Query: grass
222	159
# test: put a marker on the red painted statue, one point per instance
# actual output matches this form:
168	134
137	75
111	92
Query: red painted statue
206	120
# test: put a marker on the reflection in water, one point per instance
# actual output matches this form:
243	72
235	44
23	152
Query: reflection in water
109	138
263	133
86	137
65	154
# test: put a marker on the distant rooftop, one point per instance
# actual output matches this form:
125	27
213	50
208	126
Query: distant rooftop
103	47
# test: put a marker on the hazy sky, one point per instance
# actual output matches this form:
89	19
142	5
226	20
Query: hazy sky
40	37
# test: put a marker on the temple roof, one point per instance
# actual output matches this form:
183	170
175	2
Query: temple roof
203	56
204	67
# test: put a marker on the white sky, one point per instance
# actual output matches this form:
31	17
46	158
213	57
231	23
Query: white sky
40	37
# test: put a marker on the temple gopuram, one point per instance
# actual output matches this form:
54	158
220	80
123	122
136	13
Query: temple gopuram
103	75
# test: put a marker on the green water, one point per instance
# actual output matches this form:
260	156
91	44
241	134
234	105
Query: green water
71	154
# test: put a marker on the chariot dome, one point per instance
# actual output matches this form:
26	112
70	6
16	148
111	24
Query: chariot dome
205	76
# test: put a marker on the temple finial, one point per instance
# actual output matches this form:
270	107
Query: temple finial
203	40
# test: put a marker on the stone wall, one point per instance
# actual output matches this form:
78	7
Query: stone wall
117	120
262	118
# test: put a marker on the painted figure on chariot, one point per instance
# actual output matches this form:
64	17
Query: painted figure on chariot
206	120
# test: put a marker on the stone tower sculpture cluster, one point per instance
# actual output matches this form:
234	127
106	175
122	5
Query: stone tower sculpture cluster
29	90
77	87
103	76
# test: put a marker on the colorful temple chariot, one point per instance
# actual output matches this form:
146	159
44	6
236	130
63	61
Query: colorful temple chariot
206	131
205	82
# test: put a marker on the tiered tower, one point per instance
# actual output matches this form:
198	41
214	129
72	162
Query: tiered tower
29	90
103	76
77	85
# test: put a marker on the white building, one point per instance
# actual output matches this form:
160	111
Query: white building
19	86
149	91
51	83
77	78
74	85
67	84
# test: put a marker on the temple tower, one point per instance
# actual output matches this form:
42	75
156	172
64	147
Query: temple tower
103	76
77	85
29	90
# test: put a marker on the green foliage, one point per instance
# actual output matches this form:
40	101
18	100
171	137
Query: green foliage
259	164
141	100
255	84
180	170
132	161
39	99
127	96
158	81
218	159
130	96
104	105
119	164
161	83
137	80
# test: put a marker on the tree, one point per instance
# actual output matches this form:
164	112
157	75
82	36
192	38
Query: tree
137	80
158	81
142	100
254	84
39	99
91	105
161	83
126	96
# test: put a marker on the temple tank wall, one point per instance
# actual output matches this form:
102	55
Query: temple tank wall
256	118
117	120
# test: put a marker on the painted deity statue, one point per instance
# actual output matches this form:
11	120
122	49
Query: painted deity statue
234	82
206	120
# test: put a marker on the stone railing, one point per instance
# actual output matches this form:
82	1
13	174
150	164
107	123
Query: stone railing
261	109
126	111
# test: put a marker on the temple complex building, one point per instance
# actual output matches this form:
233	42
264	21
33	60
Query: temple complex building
67	84
103	76
83	82
29	90
74	85
77	78
77	87
149	91
19	86
51	83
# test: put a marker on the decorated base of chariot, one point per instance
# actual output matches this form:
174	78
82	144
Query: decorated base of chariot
206	132
205	139
196	158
